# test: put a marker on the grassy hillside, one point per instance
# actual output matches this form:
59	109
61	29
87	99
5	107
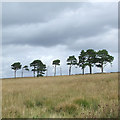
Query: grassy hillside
76	96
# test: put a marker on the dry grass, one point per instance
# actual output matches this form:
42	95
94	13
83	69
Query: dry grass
79	96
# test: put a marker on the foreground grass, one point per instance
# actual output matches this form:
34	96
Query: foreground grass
79	96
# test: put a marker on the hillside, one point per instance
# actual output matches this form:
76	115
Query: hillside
76	96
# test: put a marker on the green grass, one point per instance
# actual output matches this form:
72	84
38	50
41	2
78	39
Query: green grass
76	96
83	103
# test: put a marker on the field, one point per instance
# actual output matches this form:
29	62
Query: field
79	96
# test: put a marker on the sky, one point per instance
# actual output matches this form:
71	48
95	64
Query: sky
49	31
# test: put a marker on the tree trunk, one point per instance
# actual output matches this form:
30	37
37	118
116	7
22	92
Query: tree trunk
34	71
22	72
70	70
55	71
15	73
83	71
102	68
90	69
37	73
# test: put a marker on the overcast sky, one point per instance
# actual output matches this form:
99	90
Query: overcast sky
49	31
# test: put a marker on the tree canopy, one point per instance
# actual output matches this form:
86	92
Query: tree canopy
82	60
56	62
103	58
90	58
38	67
71	61
16	66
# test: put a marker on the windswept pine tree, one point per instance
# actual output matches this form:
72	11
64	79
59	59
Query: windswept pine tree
82	60
71	61
41	68
90	58
103	58
38	67
16	66
33	64
55	63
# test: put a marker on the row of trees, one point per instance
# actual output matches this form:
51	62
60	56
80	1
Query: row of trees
86	58
90	58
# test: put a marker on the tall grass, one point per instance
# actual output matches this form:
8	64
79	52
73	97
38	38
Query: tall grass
76	96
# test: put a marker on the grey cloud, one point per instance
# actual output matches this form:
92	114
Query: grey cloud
26	13
63	29
107	40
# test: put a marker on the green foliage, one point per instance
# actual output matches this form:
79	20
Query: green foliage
83	103
16	66
87	58
56	62
71	61
26	68
40	75
33	64
38	67
91	55
41	68
82	60
91	58
103	58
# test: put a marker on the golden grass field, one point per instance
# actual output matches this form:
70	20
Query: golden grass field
78	96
